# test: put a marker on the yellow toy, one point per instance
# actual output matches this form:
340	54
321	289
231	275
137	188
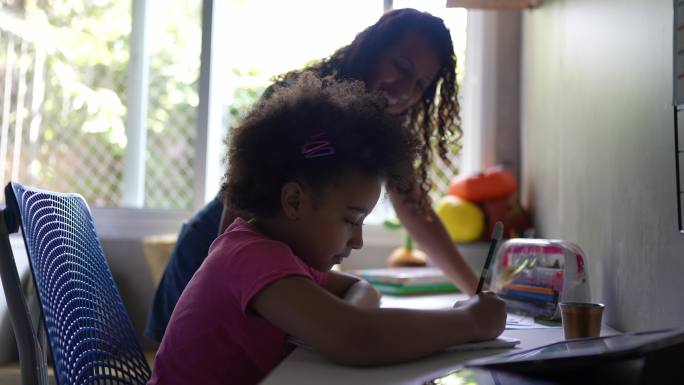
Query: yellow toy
463	220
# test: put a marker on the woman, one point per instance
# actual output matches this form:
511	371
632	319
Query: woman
408	56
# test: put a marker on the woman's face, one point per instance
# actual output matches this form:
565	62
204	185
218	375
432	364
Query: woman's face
404	71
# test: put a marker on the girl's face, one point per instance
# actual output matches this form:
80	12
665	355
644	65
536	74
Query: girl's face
404	71
329	227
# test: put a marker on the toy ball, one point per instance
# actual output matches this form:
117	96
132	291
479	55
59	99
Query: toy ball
464	221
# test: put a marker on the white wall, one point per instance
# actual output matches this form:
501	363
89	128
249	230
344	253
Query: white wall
598	160
491	84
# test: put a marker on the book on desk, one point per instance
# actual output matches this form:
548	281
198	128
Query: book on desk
408	280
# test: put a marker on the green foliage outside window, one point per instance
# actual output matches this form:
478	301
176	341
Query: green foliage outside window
81	140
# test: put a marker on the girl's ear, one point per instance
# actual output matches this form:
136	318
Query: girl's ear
291	196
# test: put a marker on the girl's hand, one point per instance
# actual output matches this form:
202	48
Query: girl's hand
363	294
352	290
465	301
488	314
460	303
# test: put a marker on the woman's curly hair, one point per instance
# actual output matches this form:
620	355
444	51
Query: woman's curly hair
272	145
434	120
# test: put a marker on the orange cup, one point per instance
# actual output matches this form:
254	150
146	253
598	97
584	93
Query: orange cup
581	319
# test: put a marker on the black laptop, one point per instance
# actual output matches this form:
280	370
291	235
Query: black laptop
640	357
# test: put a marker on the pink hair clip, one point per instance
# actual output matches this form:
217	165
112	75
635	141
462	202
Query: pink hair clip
317	147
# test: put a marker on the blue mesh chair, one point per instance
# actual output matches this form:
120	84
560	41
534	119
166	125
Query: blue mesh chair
91	337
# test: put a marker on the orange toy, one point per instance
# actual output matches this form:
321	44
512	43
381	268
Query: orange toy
491	184
509	211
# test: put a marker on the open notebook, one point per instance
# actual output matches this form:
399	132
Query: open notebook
501	342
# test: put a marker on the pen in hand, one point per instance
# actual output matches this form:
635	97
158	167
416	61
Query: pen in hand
497	233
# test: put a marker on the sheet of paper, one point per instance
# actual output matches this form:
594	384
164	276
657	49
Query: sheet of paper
513	321
517	321
434	301
501	342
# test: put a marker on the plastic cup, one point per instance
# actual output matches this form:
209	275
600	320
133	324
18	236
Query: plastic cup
581	319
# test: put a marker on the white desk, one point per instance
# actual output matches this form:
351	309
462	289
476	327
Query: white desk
304	367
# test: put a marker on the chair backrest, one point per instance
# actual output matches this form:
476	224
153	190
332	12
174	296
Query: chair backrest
90	335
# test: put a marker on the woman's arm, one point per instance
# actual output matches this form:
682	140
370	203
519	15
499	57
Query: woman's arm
352	335
429	232
352	290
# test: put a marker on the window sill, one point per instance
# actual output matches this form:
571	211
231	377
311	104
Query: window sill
128	223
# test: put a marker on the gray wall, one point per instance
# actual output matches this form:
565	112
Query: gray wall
597	143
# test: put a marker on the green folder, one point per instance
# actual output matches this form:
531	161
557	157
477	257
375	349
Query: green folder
408	280
416	289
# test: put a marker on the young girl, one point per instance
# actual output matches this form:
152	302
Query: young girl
407	56
307	166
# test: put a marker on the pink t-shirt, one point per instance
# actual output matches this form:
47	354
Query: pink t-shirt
213	336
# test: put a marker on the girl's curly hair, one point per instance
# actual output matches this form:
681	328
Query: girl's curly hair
271	146
434	120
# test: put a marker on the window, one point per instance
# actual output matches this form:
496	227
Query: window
62	118
64	69
69	110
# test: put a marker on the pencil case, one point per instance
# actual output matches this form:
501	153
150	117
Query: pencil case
534	275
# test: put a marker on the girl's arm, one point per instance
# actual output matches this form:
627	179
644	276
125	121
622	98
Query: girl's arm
429	232
352	335
352	289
